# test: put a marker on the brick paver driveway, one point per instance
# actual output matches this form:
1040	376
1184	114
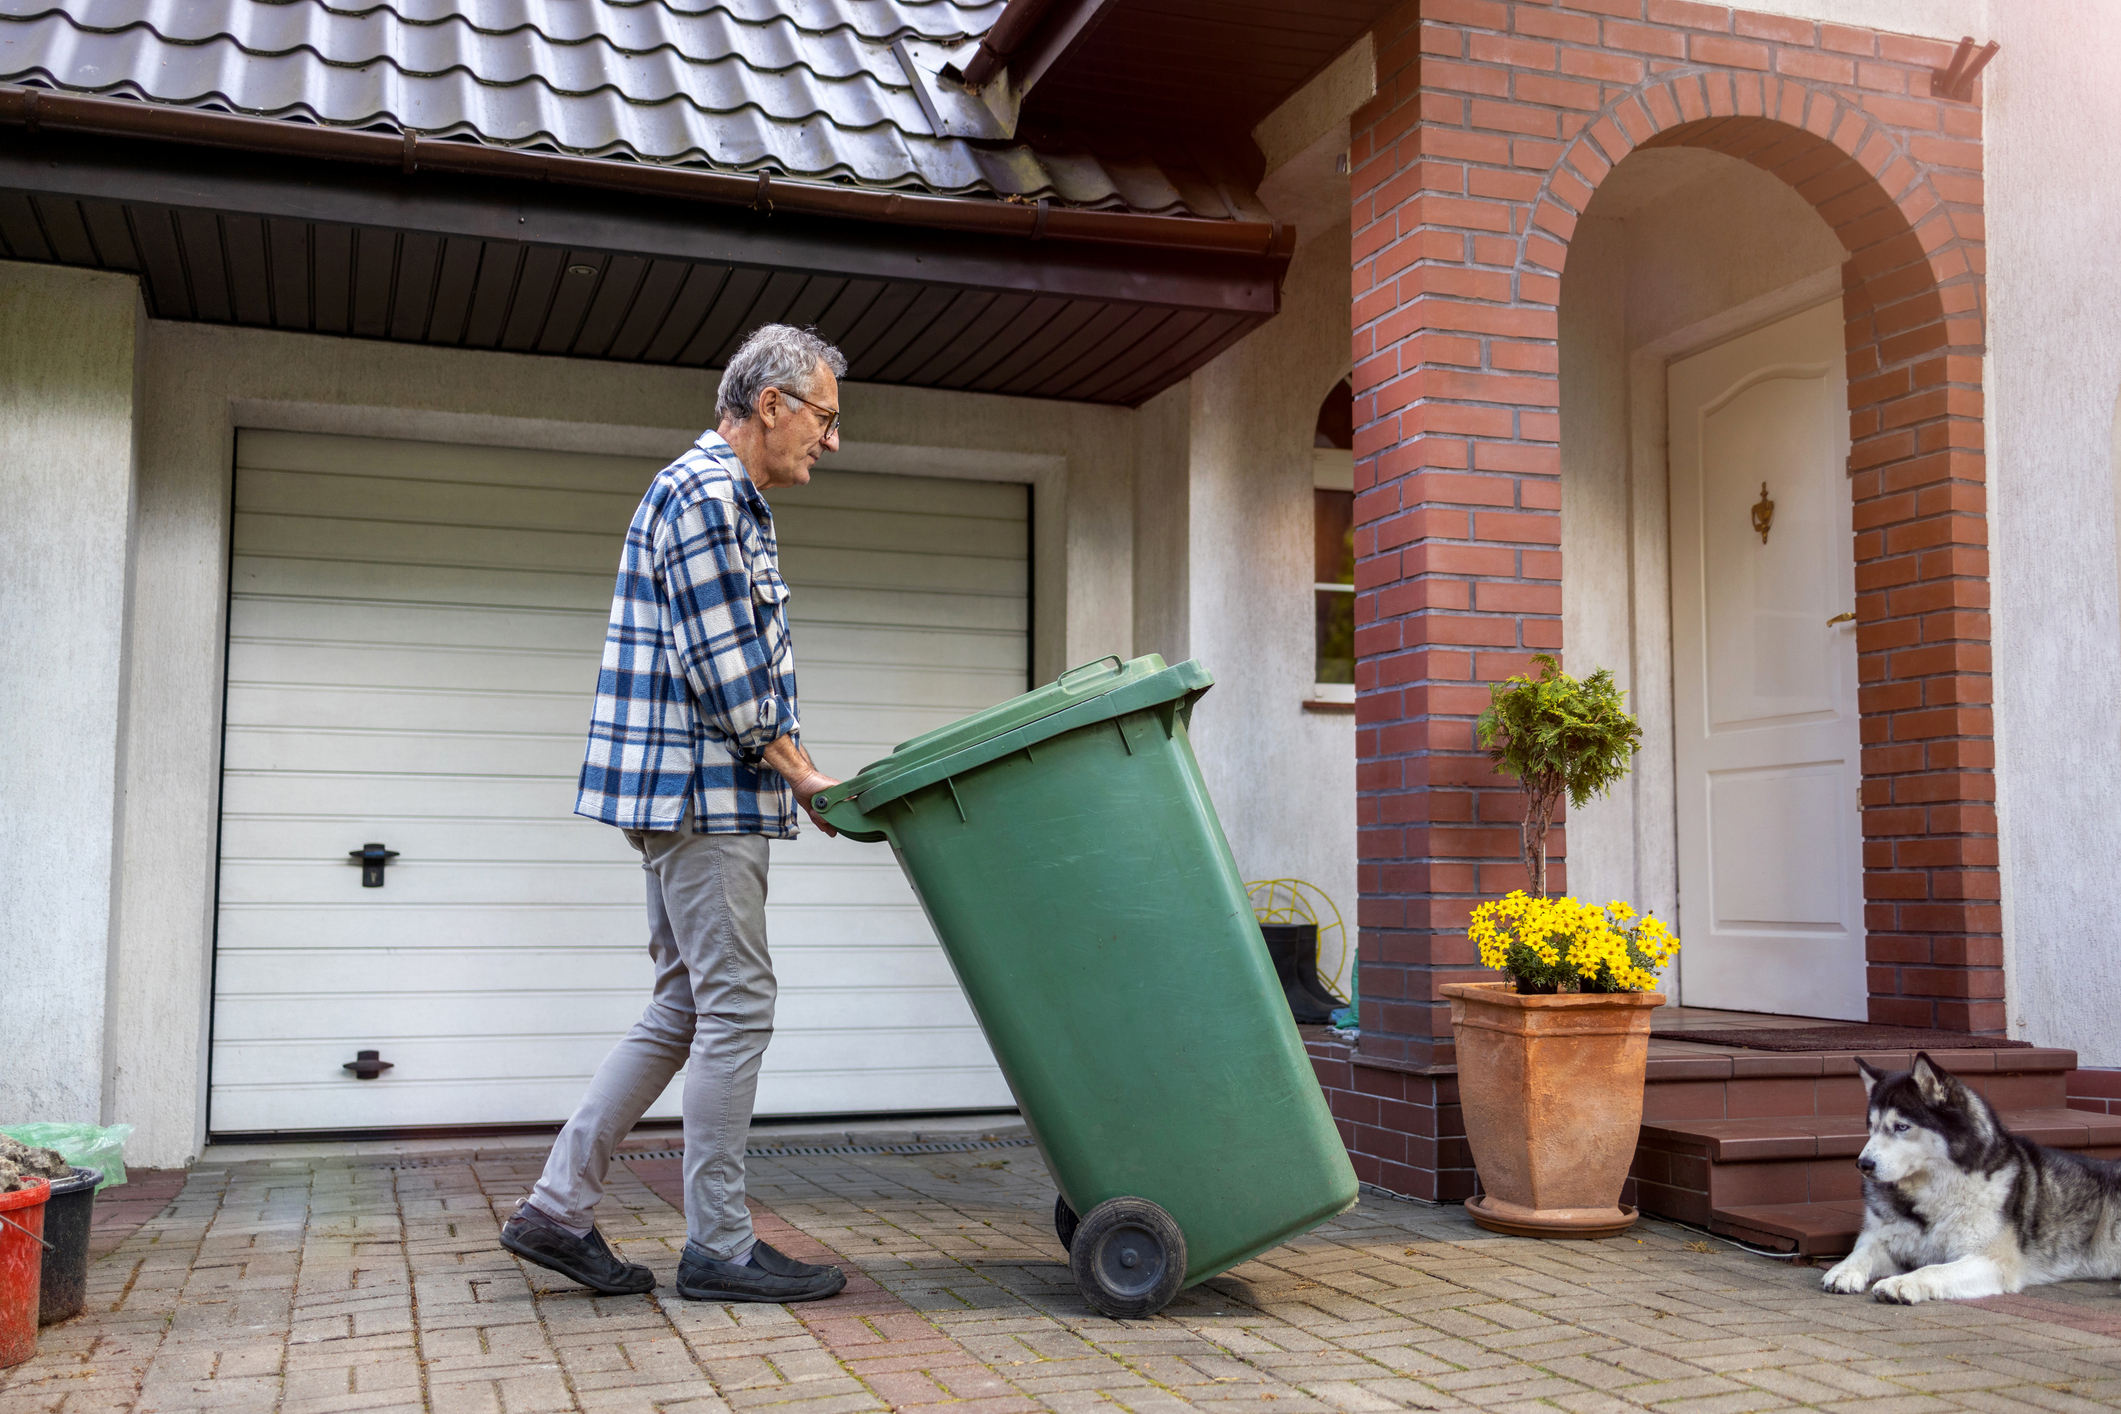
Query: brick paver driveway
346	1283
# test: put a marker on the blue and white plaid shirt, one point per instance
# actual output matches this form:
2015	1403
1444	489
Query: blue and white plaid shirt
698	676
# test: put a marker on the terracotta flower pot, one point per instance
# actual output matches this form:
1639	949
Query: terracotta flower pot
1552	1092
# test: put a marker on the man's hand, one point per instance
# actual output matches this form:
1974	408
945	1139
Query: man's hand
794	763
806	791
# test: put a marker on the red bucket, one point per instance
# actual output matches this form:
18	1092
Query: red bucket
21	1268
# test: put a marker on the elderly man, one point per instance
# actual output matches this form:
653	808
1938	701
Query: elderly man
694	751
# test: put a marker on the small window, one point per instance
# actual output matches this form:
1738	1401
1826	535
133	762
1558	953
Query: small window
1333	535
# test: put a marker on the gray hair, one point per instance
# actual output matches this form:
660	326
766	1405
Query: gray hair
775	356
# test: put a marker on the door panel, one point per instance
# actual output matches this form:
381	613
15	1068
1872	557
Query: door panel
1766	725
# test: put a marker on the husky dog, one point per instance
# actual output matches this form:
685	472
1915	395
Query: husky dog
1955	1208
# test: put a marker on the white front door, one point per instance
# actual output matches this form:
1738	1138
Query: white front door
1764	688
414	632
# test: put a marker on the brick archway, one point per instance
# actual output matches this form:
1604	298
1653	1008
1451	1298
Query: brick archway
1495	121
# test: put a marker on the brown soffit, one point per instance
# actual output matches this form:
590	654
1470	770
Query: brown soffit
41	108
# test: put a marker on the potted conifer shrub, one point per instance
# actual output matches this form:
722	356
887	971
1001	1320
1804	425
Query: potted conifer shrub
1550	1060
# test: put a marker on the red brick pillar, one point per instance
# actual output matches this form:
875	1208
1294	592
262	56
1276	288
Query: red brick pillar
1458	510
1494	122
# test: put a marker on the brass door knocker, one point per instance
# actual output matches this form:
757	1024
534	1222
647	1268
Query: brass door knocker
1763	513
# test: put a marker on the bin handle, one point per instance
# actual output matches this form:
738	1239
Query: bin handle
28	1234
1118	666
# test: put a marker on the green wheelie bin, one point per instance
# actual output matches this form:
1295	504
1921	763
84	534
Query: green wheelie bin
1066	852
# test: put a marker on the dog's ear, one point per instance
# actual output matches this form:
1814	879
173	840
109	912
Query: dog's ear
1870	1073
1931	1082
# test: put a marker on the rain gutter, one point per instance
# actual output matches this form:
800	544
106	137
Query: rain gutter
35	109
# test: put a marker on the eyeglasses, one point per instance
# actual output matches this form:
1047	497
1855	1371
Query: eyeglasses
831	415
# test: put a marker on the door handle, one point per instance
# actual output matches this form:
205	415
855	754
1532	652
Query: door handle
372	858
1847	618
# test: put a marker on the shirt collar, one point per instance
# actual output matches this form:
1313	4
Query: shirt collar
712	443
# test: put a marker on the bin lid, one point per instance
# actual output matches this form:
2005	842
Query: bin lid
1095	692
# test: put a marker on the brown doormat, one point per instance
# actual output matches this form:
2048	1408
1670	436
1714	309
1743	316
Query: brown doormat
1844	1038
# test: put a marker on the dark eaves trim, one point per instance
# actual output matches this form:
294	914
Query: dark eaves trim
43	108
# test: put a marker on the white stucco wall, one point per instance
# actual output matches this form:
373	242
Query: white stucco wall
68	346
1283	778
2052	376
201	382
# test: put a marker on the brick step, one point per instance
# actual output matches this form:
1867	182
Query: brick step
1808	1229
1699	1083
1790	1182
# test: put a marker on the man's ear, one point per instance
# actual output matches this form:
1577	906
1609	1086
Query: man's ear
1930	1080
1871	1075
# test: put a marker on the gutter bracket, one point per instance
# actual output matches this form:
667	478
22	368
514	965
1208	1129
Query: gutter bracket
412	152
1956	80
763	200
29	109
1038	222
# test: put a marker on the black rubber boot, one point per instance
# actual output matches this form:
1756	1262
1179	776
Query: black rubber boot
1284	949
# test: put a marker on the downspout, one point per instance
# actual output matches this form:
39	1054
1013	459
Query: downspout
1019	18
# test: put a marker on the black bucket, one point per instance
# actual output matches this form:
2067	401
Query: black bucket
64	1290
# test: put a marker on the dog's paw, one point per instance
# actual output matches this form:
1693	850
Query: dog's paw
1845	1277
1907	1289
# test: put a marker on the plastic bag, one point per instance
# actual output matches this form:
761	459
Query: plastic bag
88	1146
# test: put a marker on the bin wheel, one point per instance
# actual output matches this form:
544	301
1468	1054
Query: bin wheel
1128	1258
1065	1222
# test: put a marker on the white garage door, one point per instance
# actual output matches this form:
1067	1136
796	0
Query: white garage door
414	634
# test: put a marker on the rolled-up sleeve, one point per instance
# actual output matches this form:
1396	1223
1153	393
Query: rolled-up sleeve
715	630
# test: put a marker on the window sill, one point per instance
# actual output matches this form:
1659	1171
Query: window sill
1330	706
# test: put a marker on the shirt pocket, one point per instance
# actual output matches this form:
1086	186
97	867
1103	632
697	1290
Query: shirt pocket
767	586
769	594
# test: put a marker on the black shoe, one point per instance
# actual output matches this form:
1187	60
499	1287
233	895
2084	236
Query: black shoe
767	1276
589	1260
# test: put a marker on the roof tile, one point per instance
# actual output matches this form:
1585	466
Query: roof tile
807	89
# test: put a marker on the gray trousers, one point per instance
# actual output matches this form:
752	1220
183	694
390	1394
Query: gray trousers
713	1008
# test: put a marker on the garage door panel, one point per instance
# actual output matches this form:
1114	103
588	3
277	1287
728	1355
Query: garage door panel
279	705
990	500
415	635
904	608
416	882
424	625
324	580
407	1022
881	646
934	688
552	839
828	528
367	665
461	754
838	938
418	1062
462	547
391	1103
406	968
865	568
397	501
832	870
446	462
245	928
375	795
